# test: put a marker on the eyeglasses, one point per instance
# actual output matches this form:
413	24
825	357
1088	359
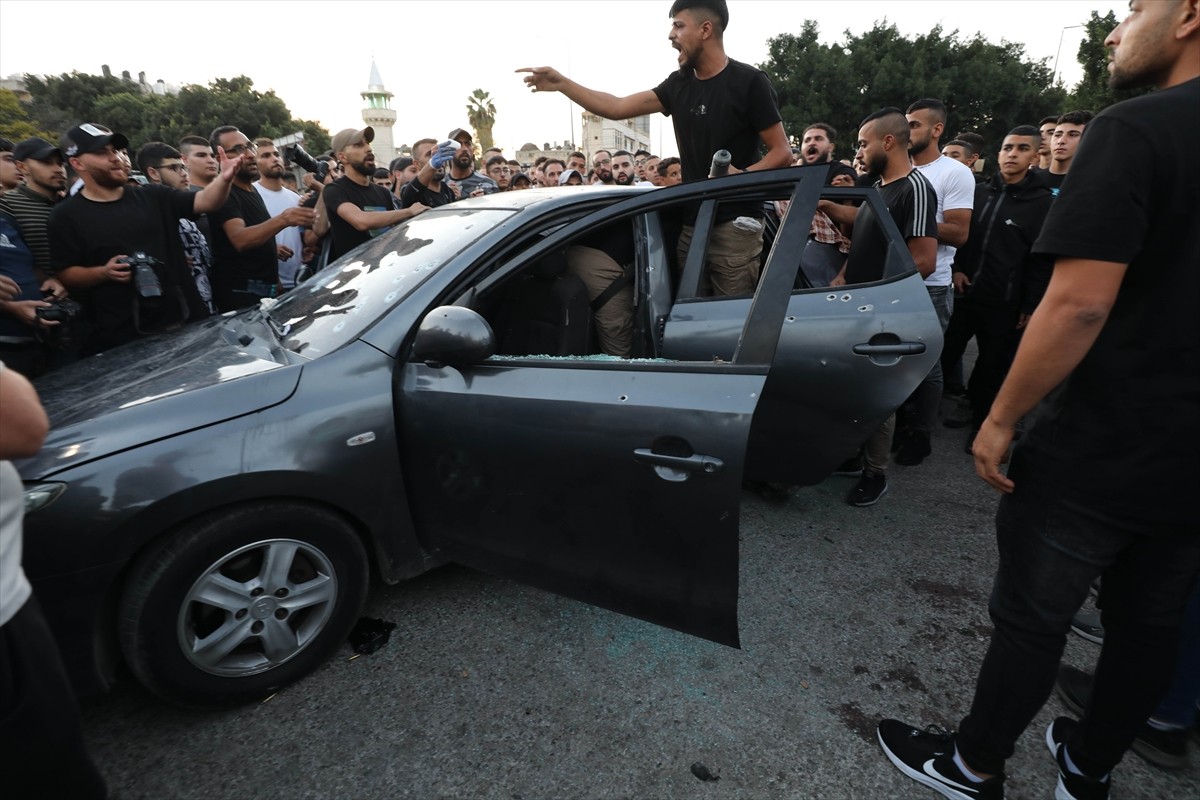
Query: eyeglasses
238	149
179	168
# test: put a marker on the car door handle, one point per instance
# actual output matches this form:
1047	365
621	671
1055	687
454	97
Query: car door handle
695	463
891	349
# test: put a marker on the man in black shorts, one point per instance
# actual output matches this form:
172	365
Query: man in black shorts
718	104
1102	483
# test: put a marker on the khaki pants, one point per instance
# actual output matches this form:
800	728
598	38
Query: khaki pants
878	448
614	320
731	261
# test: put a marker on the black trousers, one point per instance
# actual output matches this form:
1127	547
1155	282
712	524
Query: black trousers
1051	549
42	754
995	331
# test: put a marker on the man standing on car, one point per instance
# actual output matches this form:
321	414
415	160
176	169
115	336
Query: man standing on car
718	104
1104	481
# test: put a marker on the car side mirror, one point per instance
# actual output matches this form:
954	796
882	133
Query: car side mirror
453	335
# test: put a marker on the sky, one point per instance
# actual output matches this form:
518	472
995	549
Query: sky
618	46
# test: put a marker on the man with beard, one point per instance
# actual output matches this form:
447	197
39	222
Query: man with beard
93	232
817	146
624	171
245	258
463	175
289	242
41	166
955	186
602	165
1103	481
718	104
883	140
358	209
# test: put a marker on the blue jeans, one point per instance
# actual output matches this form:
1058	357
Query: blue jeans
1180	705
1050	552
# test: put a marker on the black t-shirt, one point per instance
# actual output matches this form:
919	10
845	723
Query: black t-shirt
1054	181
87	233
416	192
912	202
233	270
724	112
371	197
1120	433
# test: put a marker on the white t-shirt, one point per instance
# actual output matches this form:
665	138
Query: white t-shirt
14	586
278	202
955	186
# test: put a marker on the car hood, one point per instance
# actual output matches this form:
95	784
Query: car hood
151	389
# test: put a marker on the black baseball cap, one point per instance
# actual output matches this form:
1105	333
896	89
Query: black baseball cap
36	148
400	163
88	137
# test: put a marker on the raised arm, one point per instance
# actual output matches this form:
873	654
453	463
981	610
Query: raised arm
548	79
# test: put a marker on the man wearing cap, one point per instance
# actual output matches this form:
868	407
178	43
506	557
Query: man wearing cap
356	208
93	232
463	176
245	255
403	169
40	164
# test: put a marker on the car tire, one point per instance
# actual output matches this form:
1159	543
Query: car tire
235	605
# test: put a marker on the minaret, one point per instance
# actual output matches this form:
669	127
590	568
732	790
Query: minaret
379	116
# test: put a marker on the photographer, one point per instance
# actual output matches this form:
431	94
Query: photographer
20	304
93	233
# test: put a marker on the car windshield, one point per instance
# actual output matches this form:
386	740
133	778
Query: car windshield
337	304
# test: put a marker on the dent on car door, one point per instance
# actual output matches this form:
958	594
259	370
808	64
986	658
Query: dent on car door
616	482
847	356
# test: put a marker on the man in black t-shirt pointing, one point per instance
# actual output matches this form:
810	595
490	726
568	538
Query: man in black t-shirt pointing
718	104
356	208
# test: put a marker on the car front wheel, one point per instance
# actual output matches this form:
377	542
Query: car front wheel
236	605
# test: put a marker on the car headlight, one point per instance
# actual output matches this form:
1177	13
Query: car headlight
40	495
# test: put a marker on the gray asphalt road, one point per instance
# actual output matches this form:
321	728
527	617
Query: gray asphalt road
492	690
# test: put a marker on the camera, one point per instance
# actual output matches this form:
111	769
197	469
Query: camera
145	279
300	157
61	310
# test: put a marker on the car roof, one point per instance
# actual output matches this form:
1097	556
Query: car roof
546	196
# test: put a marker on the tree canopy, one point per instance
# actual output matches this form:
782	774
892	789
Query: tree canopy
987	88
144	116
481	115
1092	92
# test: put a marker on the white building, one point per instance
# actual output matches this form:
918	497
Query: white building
381	116
607	134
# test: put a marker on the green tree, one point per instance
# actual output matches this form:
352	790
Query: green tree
987	88
481	115
14	119
128	107
1093	92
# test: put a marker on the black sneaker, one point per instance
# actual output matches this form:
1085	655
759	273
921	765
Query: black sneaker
870	487
961	416
899	437
850	468
1071	786
914	450
1165	749
927	756
1087	624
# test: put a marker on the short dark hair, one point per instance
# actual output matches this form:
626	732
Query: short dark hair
264	141
717	9
491	162
6	145
666	164
622	153
537	162
192	140
1053	118
637	153
973	140
894	122
830	131
214	138
960	143
153	154
576	153
930	104
382	172
558	161
1027	131
1075	118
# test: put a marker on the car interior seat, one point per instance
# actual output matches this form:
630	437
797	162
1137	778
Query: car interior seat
545	312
